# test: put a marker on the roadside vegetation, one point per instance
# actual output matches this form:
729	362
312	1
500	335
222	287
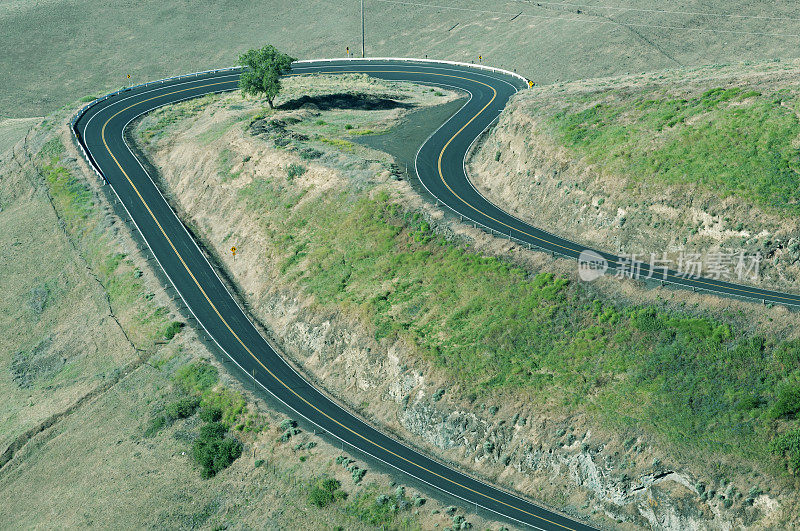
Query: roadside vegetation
140	435
78	209
493	326
732	141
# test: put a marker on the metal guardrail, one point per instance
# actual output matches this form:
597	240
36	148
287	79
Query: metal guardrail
413	60
97	100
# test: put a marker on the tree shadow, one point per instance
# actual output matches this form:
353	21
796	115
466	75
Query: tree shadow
346	101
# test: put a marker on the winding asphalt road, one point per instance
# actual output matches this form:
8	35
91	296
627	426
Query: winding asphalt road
99	131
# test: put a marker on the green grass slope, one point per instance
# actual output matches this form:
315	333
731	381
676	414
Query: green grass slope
730	140
706	384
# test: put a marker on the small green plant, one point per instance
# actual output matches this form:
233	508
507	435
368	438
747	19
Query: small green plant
348	126
787	445
213	450
289	428
196	377
309	154
358	474
181	408
294	170
788	402
155	425
172	329
325	491
211	414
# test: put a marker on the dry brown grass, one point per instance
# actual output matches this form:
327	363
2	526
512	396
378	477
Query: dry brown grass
59	50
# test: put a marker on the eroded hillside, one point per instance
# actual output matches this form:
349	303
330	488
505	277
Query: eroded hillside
592	399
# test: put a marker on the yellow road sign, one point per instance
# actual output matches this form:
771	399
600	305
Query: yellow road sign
129	76
233	250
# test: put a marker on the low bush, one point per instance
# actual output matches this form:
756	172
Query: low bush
358	474
211	414
309	154
787	403
294	170
181	408
155	425
196	377
787	445
213	451
325	491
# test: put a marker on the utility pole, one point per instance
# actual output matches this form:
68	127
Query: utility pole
363	45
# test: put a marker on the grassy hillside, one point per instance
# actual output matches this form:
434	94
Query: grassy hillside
493	326
709	386
730	140
115	414
60	50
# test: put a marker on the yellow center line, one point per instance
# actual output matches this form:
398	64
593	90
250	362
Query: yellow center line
235	335
566	247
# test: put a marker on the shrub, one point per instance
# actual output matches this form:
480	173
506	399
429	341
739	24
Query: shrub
155	425
213	451
382	499
358	474
181	408
788	403
325	491
310	154
294	170
787	445
231	403
196	377
211	414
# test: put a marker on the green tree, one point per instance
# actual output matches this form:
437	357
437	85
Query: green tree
263	71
